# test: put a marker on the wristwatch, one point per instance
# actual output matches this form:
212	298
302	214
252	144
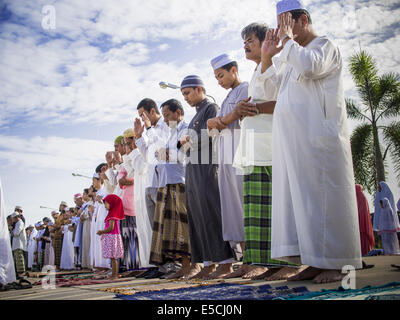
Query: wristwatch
284	38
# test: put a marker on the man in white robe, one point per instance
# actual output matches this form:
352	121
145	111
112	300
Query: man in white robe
314	208
19	243
7	271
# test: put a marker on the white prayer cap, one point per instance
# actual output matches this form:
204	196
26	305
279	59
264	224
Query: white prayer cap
31	226
220	61
18	208
96	175
63	203
39	224
288	5
15	214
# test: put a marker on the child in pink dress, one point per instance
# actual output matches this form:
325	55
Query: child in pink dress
111	242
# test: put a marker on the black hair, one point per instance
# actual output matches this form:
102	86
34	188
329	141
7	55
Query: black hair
296	14
86	190
100	166
148	104
259	30
229	66
173	105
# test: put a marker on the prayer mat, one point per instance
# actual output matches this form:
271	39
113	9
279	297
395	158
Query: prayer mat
89	279
366	293
221	291
159	285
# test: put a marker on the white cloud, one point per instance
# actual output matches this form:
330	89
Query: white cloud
39	154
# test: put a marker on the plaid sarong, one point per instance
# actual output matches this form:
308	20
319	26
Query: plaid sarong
257	194
170	237
57	250
19	260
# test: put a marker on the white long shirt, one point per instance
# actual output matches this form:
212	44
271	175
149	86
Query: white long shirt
255	146
314	208
152	140
19	236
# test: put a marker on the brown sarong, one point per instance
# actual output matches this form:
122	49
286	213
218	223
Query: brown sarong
57	250
170	237
19	260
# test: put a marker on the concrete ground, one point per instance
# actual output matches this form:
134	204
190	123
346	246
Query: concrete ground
381	274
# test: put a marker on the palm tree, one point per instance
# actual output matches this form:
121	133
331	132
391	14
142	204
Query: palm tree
380	98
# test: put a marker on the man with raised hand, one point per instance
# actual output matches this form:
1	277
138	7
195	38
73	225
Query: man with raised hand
314	209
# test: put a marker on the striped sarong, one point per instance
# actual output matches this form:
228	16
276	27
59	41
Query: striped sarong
257	194
130	243
57	251
19	260
170	238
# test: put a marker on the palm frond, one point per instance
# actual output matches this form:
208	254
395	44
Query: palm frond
363	156
392	137
354	111
362	67
390	106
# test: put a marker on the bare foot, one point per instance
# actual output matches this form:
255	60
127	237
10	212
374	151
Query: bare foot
205	273
283	274
222	271
254	271
195	269
179	274
305	273
267	273
239	272
327	276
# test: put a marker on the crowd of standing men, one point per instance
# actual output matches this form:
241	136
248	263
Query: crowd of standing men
197	197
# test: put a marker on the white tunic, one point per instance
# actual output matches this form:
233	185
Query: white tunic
96	253
314	207
19	236
7	271
67	251
143	226
31	247
230	180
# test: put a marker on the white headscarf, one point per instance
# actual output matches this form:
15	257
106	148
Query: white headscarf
388	220
7	272
380	195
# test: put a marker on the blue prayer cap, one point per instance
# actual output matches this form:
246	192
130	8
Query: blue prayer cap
192	81
288	5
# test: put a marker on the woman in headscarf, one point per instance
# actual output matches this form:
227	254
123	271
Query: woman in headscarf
388	226
365	223
382	192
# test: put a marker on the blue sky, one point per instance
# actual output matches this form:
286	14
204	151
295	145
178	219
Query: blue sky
66	93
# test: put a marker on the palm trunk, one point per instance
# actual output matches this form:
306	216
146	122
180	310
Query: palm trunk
380	168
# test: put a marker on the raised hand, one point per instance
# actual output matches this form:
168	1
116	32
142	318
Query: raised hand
138	128
146	120
270	46
286	25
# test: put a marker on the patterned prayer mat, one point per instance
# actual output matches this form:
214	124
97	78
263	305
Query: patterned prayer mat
159	285
84	279
390	291
220	291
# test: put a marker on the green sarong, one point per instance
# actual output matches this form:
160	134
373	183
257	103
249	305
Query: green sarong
257	194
